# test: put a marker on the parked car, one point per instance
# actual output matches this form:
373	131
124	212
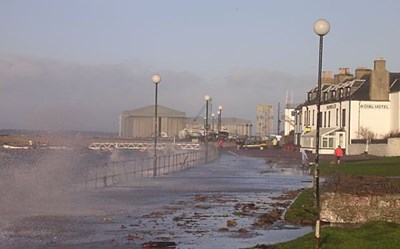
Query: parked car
255	145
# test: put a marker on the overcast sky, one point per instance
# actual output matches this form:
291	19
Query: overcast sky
77	65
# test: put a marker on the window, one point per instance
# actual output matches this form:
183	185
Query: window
328	141
313	116
324	142
308	118
300	117
325	96
341	95
337	116
329	119
343	117
324	119
341	139
348	90
333	94
331	142
309	96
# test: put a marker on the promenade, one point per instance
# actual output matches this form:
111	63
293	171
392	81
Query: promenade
234	202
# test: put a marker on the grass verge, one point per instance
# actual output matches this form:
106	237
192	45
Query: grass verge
385	166
370	235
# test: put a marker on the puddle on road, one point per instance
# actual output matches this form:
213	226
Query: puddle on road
210	221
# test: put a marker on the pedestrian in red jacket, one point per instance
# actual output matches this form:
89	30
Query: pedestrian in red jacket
338	154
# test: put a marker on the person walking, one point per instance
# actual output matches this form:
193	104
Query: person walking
338	154
304	158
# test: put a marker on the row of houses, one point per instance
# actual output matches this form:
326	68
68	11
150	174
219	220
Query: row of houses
140	123
353	107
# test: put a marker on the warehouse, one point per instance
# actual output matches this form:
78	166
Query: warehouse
140	123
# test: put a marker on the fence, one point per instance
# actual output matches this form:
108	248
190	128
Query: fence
116	172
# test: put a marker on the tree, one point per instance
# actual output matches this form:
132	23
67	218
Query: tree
367	134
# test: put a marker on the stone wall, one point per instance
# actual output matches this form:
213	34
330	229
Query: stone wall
389	149
348	208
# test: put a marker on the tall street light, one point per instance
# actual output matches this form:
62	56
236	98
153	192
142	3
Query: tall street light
207	99
212	121
321	28
219	118
156	80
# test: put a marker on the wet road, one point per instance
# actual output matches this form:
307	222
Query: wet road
210	206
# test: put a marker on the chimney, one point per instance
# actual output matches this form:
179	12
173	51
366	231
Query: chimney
379	81
343	75
362	72
327	78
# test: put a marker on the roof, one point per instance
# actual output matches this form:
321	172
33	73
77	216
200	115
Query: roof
225	121
395	82
148	111
322	132
354	89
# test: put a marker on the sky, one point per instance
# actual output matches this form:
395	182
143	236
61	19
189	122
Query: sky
77	64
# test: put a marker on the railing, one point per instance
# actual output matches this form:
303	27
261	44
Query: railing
117	172
142	146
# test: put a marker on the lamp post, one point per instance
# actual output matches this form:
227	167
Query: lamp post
219	117
156	80
207	99
321	28
212	121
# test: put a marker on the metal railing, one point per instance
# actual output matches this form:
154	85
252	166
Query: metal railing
141	146
118	172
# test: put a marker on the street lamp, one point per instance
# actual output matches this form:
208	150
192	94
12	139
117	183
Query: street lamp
219	117
156	80
207	99
212	121
321	28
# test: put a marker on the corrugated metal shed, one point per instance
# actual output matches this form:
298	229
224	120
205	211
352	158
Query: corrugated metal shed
139	123
148	111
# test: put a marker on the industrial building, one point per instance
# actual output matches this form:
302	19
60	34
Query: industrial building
140	123
264	120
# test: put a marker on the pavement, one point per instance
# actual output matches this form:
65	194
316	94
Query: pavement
235	202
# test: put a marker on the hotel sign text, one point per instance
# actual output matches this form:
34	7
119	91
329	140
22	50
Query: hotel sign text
376	106
331	106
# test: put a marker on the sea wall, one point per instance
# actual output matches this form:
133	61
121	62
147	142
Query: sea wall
348	208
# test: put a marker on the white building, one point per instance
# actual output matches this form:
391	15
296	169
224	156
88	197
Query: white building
289	119
352	108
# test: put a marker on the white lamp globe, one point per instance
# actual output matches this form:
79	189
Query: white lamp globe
322	27
156	78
